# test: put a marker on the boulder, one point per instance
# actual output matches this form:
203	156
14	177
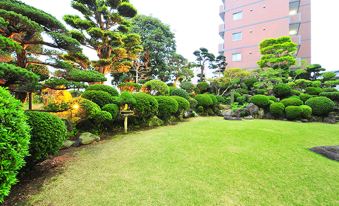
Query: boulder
331	152
249	117
252	109
88	138
330	119
67	144
155	122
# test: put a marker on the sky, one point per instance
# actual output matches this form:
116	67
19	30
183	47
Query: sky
195	23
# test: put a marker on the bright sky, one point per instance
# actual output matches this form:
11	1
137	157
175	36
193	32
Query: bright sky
195	23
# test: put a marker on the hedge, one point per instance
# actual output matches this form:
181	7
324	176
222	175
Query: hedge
292	102
146	106
277	109
14	141
293	112
306	111
321	106
167	107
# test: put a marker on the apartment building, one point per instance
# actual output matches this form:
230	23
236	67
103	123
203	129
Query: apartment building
247	22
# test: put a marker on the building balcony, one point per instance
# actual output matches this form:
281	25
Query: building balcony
222	30
222	12
221	48
295	19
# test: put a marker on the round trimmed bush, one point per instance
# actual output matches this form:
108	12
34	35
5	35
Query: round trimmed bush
187	86
113	109
105	88
293	112
47	135
155	87
313	90
331	95
101	98
277	109
305	97
292	102
307	111
183	105
193	103
203	87
87	109
282	90
261	101
14	141
167	107
102	117
273	98
295	92
214	99
330	89
204	100
321	106
146	106
127	98
180	93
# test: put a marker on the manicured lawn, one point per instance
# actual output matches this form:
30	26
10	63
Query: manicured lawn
207	161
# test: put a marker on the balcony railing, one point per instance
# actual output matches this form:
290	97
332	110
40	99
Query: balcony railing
222	12
222	30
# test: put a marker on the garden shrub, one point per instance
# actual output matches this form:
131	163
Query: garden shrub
105	88
102	117
306	111
321	106
129	87
167	107
292	102
273	98
293	112
331	95
87	109
261	101
127	98
113	109
330	89
193	103
187	86
101	98
305	97
313	90
200	109
277	109
155	87
214	99
221	99
316	84
183	105
14	141
241	99
204	100
282	90
180	93
202	87
47	135
295	92
146	106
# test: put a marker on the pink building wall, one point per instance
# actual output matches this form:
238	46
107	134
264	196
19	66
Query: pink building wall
262	19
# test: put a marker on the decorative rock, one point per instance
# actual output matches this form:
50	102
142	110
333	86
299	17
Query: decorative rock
252	109
304	120
249	117
330	120
88	138
227	113
67	144
331	152
232	118
261	114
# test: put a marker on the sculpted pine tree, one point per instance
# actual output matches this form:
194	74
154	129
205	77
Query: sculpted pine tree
204	58
180	69
104	27
22	27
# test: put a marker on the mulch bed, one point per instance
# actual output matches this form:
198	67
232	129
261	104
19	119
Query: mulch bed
331	152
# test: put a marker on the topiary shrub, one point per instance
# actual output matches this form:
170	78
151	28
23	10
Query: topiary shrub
295	92
202	87
305	97
47	135
273	98
277	109
221	99
293	112
193	103
146	106
321	106
330	89
102	117
127	98
204	100
129	87
14	141
113	109
331	95
100	87
282	90
261	101
187	86
306	111
214	99
291	102
313	90
183	106
167	107
101	98
180	93
155	87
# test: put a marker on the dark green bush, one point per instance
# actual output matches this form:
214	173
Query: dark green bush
305	97
306	111
146	106
183	106
321	106
282	90
102	117
101	98
313	90
200	109
214	99
180	93
294	112
113	109
261	101
167	107
47	135
105	88
127	98
292	102
277	109
241	99
156	87
193	103
87	108
331	95
221	99
187	86
204	100
14	141
202	87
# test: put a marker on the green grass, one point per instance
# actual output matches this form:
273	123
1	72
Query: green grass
207	161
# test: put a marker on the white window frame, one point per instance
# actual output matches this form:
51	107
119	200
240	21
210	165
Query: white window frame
237	15
237	36
236	57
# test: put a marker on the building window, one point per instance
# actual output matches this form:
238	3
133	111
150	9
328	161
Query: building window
237	15
237	36
236	57
294	29
294	8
